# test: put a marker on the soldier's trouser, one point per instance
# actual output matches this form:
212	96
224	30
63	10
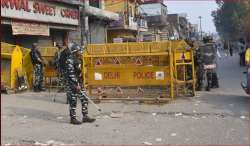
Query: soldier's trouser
200	79
72	97
61	81
37	76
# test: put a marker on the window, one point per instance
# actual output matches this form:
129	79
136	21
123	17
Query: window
130	11
94	3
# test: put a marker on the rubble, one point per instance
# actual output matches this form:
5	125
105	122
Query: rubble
147	143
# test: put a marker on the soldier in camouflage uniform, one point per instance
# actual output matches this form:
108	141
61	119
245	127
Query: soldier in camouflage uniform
199	69
37	62
71	66
57	67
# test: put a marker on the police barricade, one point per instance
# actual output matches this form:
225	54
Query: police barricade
184	70
130	71
11	66
50	73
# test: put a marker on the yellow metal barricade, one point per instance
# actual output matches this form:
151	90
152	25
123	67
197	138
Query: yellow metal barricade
149	66
11	65
184	72
140	65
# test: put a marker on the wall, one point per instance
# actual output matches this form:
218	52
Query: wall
115	5
98	32
153	9
75	36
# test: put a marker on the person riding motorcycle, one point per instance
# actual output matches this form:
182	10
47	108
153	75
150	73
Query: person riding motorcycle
208	54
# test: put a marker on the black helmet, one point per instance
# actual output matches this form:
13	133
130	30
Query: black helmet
74	47
207	39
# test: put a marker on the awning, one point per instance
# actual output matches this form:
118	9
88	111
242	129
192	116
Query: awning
100	13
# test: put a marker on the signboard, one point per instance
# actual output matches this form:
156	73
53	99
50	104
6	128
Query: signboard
128	76
19	28
41	11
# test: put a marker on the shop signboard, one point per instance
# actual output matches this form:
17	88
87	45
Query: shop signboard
40	11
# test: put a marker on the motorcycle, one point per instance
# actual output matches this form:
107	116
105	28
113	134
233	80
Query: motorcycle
211	77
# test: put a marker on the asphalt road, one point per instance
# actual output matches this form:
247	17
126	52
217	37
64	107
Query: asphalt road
217	117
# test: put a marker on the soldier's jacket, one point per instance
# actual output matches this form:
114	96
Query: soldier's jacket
56	61
78	66
36	57
71	67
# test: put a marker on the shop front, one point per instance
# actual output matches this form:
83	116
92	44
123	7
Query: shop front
45	22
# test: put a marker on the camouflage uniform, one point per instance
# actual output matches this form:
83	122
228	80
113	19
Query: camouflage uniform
72	76
60	80
199	70
37	70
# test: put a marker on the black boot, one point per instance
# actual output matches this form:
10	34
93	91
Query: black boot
87	119
35	89
41	88
74	121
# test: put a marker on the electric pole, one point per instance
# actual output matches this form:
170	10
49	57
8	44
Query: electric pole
200	26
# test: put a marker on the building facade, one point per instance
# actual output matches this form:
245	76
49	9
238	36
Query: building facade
130	24
95	21
155	13
44	22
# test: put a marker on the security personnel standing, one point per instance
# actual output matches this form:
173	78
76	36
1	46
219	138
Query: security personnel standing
198	61
57	67
69	63
37	62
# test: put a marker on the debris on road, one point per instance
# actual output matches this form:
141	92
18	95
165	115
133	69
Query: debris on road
173	134
158	139
154	114
147	143
179	114
38	143
51	142
195	118
116	115
59	118
242	117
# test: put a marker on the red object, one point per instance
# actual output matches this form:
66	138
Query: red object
138	61
119	91
98	62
